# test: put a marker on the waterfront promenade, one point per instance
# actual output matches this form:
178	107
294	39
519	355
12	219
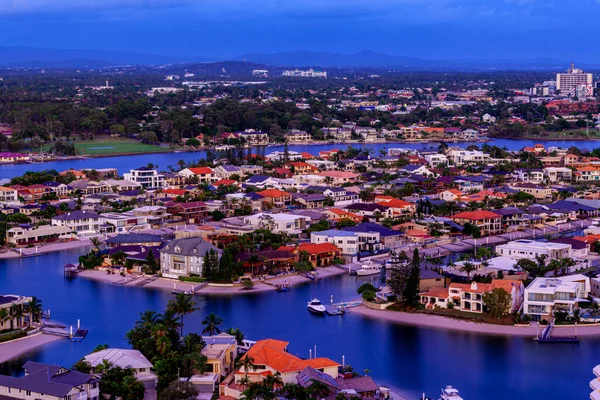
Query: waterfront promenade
18	347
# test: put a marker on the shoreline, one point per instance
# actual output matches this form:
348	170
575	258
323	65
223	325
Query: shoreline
16	348
171	284
48	248
445	323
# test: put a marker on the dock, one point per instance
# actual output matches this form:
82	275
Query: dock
79	335
330	310
546	338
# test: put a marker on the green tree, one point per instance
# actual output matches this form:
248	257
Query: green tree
35	308
344	222
182	305
179	391
411	293
120	382
211	324
468	268
497	301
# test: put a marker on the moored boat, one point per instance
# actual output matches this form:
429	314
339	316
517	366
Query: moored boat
369	268
450	393
315	307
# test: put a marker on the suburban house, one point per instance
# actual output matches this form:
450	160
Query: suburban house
339	177
469	297
190	212
8	195
537	191
183	257
347	242
38	234
204	174
271	357
319	255
83	223
341	196
279	222
276	198
488	222
225	171
221	352
126	358
531	249
50	382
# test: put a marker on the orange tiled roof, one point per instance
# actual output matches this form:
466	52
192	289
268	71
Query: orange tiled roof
273	193
271	352
316	248
476	215
224	182
439	292
202	170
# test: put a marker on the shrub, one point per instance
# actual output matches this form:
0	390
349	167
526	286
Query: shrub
12	336
248	284
194	279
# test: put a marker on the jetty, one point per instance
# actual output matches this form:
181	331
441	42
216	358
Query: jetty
546	338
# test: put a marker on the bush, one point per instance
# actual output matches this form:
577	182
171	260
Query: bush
368	295
194	279
366	287
12	336
248	284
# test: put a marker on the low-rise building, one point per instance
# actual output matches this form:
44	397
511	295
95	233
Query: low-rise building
531	249
183	257
488	222
83	223
544	296
149	178
126	358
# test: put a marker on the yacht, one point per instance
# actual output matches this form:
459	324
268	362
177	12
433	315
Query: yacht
370	268
449	393
315	306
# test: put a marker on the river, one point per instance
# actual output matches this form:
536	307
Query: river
406	357
125	163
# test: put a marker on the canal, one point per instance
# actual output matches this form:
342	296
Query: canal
409	358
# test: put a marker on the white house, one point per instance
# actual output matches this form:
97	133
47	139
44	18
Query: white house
531	249
277	223
126	358
183	257
149	178
543	296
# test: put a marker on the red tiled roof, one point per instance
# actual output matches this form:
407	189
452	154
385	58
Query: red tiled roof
475	215
272	353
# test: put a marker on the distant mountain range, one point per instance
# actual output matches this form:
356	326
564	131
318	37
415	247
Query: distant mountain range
32	57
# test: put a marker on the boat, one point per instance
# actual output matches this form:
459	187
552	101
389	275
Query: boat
450	393
283	287
370	268
315	307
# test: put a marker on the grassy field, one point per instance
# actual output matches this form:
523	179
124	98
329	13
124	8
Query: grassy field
106	147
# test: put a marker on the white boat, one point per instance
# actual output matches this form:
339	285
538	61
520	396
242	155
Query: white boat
369	268
449	393
315	306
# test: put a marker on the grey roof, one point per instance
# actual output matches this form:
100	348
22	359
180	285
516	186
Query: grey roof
47	379
133	238
189	247
75	215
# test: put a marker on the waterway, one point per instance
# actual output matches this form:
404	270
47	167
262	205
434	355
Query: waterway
406	357
163	160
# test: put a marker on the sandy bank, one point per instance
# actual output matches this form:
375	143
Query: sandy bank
47	248
439	322
268	284
18	347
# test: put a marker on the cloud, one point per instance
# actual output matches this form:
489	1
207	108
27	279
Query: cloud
45	6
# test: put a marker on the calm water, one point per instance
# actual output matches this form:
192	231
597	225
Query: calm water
125	163
410	358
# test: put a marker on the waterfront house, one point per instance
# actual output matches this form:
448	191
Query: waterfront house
389	238
271	357
50	382
83	223
38	234
221	352
544	295
531	249
319	255
14	320
183	257
339	177
126	358
226	171
469	297
8	157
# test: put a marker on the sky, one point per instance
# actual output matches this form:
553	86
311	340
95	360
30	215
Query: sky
430	29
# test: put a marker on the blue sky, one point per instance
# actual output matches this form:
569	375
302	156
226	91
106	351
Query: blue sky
432	29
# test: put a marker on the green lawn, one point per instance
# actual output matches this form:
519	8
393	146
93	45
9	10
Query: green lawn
114	146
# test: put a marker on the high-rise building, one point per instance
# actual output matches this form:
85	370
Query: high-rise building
568	81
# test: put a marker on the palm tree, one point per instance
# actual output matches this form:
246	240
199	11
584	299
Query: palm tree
211	324
467	268
147	319
192	343
270	384
168	319
318	390
595	308
182	305
248	364
35	308
239	335
104	366
96	243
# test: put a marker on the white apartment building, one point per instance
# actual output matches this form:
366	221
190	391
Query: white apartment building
309	73
530	249
277	223
558	174
568	81
460	157
543	296
8	195
147	177
346	241
434	160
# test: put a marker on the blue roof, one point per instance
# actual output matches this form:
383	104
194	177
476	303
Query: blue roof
372	227
334	233
257	179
